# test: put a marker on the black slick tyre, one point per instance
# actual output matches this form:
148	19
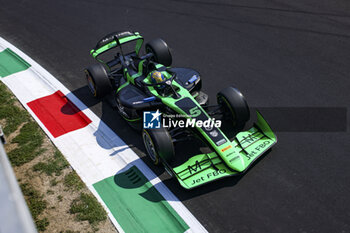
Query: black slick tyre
98	81
234	106
159	145
160	51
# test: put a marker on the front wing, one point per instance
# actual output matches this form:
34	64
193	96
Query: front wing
204	168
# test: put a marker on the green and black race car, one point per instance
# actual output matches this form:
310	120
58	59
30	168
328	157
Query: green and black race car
126	77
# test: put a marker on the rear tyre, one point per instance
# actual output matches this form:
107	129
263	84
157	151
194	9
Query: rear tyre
160	51
159	145
234	106
98	81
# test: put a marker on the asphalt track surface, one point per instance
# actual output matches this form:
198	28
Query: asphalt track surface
282	55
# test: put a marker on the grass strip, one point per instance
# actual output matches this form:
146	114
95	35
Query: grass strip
53	166
72	180
13	115
29	142
36	205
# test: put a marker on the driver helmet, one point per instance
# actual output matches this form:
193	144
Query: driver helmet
157	77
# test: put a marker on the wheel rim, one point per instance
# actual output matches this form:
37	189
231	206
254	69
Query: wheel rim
151	151
91	84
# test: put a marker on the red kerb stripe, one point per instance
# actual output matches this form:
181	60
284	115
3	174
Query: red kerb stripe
58	114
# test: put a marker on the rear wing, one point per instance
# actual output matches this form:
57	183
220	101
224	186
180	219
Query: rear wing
109	41
205	168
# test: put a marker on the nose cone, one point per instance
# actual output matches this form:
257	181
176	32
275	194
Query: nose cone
232	158
237	164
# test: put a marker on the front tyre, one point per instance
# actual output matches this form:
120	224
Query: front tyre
98	81
159	145
234	106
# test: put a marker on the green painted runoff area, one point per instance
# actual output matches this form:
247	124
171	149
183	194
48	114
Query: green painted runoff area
11	63
137	205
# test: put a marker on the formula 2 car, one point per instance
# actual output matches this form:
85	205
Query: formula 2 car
127	79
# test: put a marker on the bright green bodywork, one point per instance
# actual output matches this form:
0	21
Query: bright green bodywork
230	158
246	148
227	159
